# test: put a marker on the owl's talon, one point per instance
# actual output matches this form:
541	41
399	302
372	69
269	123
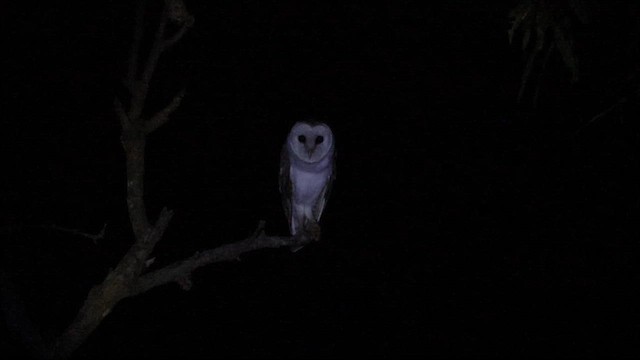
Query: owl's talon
312	229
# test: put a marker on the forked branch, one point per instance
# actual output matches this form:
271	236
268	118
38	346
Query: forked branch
118	283
128	277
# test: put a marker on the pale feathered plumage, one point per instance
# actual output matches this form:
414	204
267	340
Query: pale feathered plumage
307	171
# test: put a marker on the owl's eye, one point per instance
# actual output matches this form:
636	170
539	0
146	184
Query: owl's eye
319	139
302	138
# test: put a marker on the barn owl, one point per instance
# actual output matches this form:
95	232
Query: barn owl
307	171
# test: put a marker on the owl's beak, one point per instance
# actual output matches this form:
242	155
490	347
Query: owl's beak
310	151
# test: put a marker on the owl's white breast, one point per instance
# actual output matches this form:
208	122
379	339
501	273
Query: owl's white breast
308	185
309	179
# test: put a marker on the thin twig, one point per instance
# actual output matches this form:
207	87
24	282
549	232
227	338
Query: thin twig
92	237
606	112
178	35
162	116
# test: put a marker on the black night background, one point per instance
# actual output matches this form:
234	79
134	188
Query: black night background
462	223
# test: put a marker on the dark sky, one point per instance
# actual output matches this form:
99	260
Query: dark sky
460	224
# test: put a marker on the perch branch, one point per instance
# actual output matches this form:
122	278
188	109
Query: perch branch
181	270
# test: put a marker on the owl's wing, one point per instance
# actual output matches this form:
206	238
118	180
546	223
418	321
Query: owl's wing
286	187
324	196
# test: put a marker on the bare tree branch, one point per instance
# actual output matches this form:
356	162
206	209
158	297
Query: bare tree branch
92	237
133	125
115	287
181	270
126	279
178	35
138	31
134	142
162	116
141	88
607	111
135	259
122	114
